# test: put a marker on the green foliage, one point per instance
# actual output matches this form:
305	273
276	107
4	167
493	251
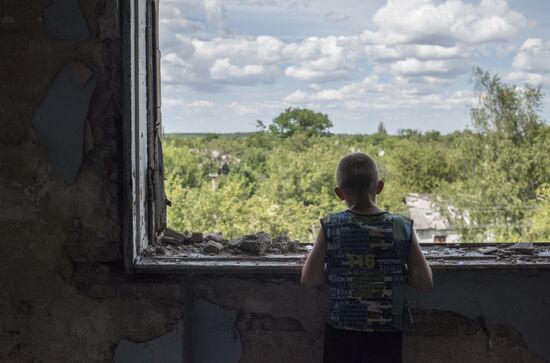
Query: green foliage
539	230
496	177
425	163
285	186
381	129
300	120
506	111
500	167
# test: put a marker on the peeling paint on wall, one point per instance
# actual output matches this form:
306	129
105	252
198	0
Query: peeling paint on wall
165	349
59	121
215	334
64	20
65	296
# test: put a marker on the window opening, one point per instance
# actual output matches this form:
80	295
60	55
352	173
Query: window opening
463	181
256	116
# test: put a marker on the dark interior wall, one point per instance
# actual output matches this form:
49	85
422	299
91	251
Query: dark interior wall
469	316
510	307
64	296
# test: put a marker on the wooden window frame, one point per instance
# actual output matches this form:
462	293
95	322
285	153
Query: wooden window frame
144	197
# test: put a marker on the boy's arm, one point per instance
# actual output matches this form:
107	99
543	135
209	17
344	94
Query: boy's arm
313	272
419	274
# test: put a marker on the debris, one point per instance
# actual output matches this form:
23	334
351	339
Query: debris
255	243
196	237
279	244
213	247
159	250
523	247
172	237
166	240
171	233
487	250
293	246
215	236
281	239
156	251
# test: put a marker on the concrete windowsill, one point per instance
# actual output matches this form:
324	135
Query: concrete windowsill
471	256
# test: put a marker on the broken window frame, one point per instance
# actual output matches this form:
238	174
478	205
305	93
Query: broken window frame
144	198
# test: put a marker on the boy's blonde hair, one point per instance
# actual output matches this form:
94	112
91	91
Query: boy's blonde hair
357	174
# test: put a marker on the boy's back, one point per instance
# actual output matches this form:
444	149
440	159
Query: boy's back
369	255
366	257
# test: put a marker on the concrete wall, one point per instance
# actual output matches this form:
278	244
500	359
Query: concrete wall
65	297
475	316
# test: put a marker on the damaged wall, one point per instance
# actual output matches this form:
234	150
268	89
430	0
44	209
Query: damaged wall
470	316
64	295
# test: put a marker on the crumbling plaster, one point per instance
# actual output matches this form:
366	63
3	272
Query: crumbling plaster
65	296
468	317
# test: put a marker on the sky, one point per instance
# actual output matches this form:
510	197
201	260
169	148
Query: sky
406	63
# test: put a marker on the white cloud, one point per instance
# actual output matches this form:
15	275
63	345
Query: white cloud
415	67
445	23
196	104
289	4
352	90
534	56
335	17
385	53
223	70
241	109
532	64
215	14
309	73
322	58
373	94
405	101
263	49
201	104
425	39
174	68
433	40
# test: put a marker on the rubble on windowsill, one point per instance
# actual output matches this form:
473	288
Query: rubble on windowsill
196	244
262	252
489	255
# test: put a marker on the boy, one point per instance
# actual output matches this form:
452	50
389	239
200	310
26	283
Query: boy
370	255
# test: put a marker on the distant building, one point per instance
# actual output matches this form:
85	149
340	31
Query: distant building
429	224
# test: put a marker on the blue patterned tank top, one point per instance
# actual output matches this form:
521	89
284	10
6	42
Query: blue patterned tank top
366	256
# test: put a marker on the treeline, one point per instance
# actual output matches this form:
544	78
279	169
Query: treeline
281	179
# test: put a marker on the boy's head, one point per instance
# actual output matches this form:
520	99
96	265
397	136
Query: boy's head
357	177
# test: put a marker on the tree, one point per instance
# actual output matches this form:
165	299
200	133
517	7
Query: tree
408	133
505	110
381	129
540	228
260	126
503	163
300	120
